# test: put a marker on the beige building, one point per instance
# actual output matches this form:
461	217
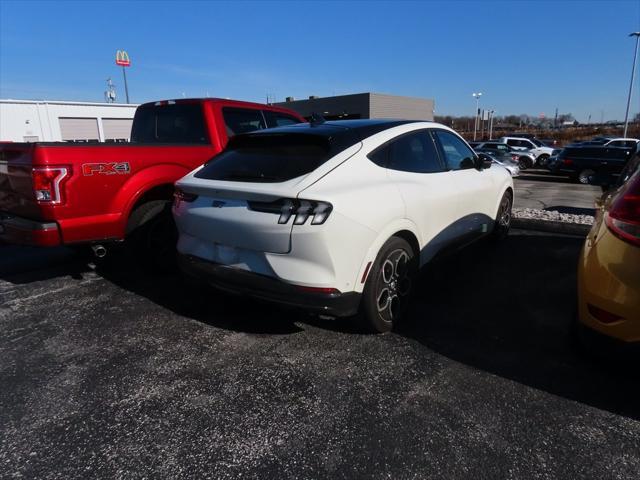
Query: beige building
363	105
56	121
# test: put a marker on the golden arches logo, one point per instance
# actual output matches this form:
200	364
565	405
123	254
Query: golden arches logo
122	58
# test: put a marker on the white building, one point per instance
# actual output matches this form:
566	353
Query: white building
55	121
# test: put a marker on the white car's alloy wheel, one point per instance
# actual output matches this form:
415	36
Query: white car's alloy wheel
503	218
388	287
394	284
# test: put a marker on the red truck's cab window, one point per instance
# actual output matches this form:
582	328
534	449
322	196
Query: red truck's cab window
277	119
242	120
245	120
180	123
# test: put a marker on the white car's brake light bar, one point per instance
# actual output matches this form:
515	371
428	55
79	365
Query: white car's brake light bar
301	210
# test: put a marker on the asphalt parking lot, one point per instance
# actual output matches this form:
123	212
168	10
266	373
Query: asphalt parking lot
537	188
111	372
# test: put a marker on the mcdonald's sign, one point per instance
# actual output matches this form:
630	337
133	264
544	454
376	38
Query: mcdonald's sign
122	58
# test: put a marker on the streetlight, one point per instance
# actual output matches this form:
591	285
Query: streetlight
491	112
475	127
633	74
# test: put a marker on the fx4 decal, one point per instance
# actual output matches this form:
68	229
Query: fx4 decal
121	168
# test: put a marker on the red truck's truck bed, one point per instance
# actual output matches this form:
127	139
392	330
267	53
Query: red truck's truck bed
65	193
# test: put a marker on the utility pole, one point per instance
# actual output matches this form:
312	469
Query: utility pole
633	74
477	97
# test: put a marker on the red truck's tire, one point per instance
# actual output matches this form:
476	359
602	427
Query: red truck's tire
151	235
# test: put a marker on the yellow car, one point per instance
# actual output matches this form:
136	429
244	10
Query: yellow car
609	265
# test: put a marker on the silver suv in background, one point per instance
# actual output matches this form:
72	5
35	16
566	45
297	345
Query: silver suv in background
533	146
524	158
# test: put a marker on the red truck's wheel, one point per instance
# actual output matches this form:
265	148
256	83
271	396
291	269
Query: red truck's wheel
152	235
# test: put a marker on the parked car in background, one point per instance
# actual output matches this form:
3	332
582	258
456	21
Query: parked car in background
505	161
92	194
548	142
336	217
537	148
622	142
593	141
609	142
524	158
553	159
581	162
609	265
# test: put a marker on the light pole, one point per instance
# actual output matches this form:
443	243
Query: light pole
491	112
475	127
633	74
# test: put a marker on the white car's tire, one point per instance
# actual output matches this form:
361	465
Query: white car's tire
503	217
388	287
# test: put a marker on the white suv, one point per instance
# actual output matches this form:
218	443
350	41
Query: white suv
537	148
336	217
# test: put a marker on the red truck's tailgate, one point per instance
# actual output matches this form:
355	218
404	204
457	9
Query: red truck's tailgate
16	184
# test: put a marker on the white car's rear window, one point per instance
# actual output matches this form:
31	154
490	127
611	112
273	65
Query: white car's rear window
274	157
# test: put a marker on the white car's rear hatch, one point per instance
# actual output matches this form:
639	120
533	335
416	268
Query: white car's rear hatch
247	197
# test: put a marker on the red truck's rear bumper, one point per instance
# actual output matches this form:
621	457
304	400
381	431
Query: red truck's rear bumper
23	231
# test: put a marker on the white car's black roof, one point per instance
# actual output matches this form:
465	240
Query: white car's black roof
356	130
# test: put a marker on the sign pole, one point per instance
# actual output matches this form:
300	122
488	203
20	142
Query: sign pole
126	88
122	59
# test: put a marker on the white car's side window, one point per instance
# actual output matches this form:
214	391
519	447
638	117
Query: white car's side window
457	155
413	152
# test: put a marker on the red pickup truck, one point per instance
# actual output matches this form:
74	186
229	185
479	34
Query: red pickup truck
70	194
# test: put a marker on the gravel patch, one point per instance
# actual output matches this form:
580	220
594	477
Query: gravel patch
552	216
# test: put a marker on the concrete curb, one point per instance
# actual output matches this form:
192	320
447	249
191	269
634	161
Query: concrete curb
551	226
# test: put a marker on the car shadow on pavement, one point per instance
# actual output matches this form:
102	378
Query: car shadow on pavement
509	310
199	302
22	265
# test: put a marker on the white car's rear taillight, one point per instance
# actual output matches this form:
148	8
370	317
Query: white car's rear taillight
623	218
182	196
301	210
47	184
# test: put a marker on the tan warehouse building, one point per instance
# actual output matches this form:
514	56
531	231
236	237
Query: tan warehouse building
363	105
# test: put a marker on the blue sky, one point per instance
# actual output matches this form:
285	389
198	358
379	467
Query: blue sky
525	56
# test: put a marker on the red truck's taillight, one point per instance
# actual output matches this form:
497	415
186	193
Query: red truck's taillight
624	217
48	183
